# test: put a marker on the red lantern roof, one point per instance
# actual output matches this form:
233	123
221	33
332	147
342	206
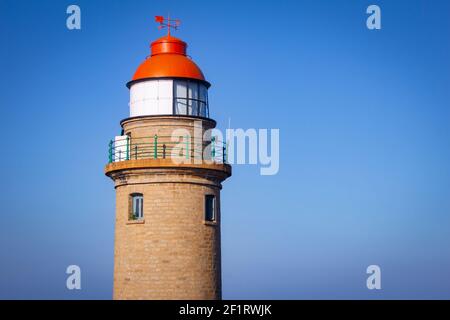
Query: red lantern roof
168	60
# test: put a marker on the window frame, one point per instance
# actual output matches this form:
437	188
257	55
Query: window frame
133	205
213	210
188	99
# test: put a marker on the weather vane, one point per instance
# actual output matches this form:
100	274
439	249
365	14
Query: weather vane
167	23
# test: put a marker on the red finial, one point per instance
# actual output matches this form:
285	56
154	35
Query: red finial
167	23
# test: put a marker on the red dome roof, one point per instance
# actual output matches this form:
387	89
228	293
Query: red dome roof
168	59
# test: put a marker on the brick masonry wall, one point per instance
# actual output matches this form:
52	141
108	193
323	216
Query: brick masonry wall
143	129
164	125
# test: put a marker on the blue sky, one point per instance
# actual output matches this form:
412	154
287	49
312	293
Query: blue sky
364	119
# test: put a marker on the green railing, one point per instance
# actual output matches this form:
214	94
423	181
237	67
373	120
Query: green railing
162	147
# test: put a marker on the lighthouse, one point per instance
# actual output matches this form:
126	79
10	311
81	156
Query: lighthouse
167	167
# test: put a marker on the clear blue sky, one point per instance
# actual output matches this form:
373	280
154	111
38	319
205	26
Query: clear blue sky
364	119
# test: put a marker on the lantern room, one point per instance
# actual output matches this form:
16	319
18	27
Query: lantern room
168	82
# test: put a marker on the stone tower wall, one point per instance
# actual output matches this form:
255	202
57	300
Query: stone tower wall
173	253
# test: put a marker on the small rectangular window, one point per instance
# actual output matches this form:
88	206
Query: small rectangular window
210	207
137	206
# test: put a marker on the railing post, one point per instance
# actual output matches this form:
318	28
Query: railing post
135	152
127	156
224	150
227	146
155	147
164	151
213	148
110	158
187	146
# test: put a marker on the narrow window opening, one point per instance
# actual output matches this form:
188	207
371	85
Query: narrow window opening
210	208
136	206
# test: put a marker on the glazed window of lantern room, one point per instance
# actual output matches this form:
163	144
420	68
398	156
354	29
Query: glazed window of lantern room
162	97
180	98
193	101
190	98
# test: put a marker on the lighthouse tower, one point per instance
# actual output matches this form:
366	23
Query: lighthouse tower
167	168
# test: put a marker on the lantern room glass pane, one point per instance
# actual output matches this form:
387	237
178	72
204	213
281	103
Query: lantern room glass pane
190	98
181	107
202	109
203	97
193	90
180	98
193	98
203	92
180	89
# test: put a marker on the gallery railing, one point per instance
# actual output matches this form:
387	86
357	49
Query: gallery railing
162	147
